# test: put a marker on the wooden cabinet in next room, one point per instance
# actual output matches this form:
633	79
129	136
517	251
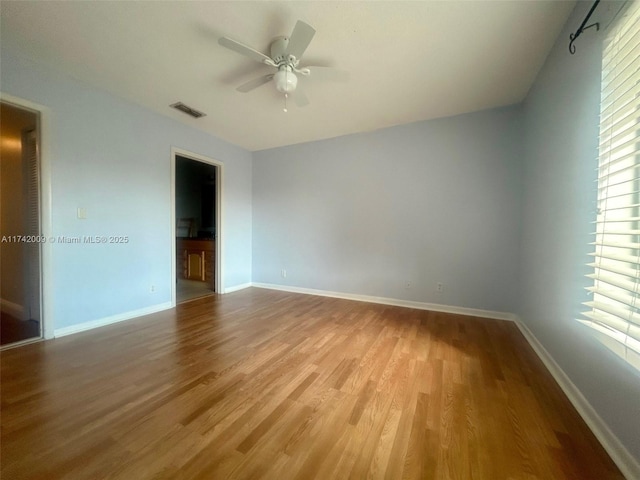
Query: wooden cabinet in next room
196	259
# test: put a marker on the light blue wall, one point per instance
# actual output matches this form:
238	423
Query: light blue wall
114	159
561	124
434	201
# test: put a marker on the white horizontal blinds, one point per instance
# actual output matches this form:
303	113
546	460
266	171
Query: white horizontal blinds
615	304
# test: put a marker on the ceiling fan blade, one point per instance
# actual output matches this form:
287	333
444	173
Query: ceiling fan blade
255	83
300	98
328	73
300	39
244	50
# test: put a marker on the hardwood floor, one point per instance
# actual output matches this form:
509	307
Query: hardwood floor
265	384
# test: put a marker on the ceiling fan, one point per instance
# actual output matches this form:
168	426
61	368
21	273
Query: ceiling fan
286	53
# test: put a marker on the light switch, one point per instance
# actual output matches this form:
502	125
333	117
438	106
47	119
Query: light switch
82	213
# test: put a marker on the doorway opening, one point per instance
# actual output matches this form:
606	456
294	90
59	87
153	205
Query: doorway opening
20	233
197	212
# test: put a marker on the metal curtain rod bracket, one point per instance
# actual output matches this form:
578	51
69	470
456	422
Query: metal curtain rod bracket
574	36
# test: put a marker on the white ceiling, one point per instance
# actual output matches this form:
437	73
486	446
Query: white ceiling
408	61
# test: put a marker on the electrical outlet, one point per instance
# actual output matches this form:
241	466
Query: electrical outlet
152	288
439	287
283	273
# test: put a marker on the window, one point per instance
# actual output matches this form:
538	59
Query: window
615	306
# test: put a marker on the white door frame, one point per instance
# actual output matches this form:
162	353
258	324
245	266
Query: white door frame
219	263
46	231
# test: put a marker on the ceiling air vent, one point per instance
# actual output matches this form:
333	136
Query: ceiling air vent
188	110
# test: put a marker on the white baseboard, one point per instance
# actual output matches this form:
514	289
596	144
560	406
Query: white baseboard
435	307
101	322
235	288
619	454
11	308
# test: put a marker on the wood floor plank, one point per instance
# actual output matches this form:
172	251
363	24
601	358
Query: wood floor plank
262	384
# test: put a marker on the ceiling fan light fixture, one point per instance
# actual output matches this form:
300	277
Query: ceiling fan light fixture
285	80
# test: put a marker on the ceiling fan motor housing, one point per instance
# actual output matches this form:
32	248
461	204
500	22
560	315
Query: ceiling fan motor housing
278	49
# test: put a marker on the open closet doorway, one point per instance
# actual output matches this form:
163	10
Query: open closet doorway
20	233
197	212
